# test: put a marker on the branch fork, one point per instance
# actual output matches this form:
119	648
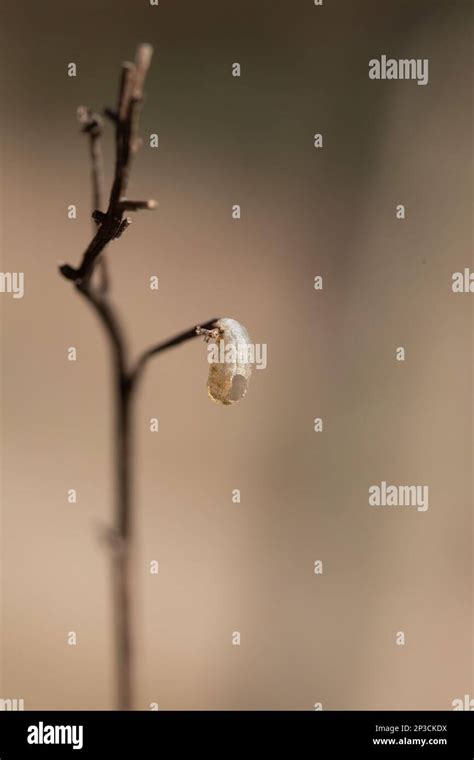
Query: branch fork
108	225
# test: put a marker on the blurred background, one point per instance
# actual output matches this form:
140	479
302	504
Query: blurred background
245	567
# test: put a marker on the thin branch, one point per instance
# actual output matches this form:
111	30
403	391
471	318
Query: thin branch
92	125
122	531
126	205
111	323
112	223
193	332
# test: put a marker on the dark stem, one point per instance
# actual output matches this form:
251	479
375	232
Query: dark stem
122	558
169	343
109	225
112	223
121	536
96	170
97	181
92	125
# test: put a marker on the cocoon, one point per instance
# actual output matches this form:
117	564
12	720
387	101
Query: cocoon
229	358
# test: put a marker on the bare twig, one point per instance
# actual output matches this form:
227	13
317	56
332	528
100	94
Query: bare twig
170	343
126	205
122	532
92	125
111	223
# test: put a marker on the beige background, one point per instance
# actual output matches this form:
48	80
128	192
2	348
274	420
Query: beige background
387	283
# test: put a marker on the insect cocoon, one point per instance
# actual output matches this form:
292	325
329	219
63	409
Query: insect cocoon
229	361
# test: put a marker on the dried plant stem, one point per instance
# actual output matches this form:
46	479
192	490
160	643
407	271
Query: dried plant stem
122	558
121	535
109	225
121	543
176	340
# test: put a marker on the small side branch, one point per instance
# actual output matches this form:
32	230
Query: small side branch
126	205
92	126
111	223
176	340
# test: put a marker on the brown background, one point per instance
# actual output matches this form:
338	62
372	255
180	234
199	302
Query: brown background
387	283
